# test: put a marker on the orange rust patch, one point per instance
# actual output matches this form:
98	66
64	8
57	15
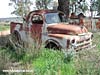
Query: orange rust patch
61	36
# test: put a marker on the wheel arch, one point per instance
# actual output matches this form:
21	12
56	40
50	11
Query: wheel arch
54	42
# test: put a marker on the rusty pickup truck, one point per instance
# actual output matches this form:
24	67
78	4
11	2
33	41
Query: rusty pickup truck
50	28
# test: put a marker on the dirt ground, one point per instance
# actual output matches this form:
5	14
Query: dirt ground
4	37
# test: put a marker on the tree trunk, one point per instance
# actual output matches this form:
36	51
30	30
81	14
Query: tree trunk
64	6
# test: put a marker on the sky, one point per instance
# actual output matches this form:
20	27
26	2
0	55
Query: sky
5	9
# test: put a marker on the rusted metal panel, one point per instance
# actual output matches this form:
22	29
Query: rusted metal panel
69	29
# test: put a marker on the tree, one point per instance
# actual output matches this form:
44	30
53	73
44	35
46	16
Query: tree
69	6
42	4
78	4
72	5
97	6
64	6
22	7
84	6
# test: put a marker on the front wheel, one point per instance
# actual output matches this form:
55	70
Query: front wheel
52	46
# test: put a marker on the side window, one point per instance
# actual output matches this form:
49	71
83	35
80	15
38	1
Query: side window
37	19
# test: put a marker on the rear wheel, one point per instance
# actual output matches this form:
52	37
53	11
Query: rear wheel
15	40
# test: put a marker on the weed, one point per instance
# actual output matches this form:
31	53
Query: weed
52	62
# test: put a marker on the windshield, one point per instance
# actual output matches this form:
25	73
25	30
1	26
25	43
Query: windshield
52	18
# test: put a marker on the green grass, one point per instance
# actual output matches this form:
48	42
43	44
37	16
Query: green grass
53	63
96	40
4	27
86	62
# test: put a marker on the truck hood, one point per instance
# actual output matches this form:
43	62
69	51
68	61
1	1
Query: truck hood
66	29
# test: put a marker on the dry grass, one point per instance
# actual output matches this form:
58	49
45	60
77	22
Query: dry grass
4	27
87	62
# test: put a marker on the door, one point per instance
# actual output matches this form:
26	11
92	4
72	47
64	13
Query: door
36	28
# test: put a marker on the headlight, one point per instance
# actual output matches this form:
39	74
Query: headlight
73	41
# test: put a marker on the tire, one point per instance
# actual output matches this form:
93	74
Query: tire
15	40
52	45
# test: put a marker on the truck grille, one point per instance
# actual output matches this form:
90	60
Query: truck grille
83	44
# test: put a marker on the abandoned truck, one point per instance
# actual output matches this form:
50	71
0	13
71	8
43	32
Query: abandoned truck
50	28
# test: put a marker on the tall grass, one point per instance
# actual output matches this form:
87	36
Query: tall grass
51	62
5	60
87	62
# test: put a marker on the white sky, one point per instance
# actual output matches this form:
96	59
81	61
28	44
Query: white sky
5	9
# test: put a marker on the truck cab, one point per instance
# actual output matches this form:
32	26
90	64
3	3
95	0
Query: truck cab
49	27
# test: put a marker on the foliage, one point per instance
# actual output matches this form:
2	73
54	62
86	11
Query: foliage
97	5
93	6
4	27
78	5
87	62
22	7
42	4
69	6
84	6
5	59
96	40
52	62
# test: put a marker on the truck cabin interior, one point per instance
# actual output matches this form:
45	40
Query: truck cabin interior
37	19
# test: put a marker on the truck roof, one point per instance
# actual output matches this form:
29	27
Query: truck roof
42	11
